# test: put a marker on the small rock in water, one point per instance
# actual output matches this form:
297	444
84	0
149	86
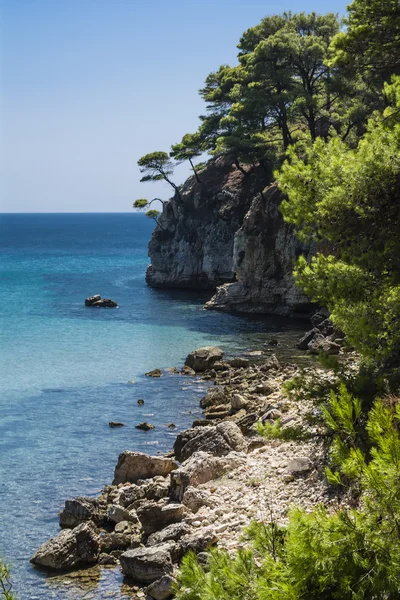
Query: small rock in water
98	302
171	425
140	402
154	373
145	426
188	371
116	424
273	342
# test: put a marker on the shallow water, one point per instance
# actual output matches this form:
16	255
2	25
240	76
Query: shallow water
65	370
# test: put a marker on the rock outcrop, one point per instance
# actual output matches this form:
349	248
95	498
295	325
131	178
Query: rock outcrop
265	249
71	548
193	246
227	232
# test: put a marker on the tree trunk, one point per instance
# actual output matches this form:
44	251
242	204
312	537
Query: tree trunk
194	171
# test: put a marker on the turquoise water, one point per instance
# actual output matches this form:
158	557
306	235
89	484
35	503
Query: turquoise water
65	370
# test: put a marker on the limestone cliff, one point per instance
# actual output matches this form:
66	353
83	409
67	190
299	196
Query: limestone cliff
193	246
265	248
224	232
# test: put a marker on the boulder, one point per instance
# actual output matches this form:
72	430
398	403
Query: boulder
302	344
319	317
161	589
198	541
107	559
116	514
145	426
238	402
200	468
326	327
187	371
71	548
218	441
214	397
132	495
154	517
195	498
98	302
271	364
119	540
145	565
322	344
298	466
239	362
170	533
154	373
80	510
204	358
115	424
133	466
246	421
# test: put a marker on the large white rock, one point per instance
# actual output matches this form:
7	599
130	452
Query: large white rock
133	466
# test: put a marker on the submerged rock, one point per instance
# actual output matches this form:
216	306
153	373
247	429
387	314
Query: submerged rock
133	466
116	424
69	549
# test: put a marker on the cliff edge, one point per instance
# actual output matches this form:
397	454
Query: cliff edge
224	234
264	251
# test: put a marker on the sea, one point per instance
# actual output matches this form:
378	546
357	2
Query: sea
67	370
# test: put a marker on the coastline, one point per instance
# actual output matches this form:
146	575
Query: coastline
227	476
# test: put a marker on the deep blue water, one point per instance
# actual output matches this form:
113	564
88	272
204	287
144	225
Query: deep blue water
65	370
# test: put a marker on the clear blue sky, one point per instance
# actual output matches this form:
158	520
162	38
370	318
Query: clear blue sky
89	86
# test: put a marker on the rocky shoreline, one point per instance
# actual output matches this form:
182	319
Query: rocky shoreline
220	476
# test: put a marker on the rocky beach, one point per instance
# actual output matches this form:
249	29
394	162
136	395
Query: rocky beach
220	476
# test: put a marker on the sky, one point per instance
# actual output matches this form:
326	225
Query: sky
89	86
